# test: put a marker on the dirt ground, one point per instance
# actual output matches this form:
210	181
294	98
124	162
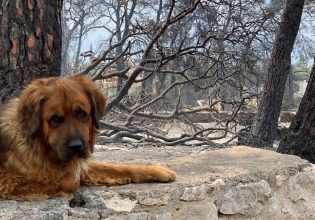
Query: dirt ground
137	152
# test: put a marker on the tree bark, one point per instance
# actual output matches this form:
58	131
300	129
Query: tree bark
288	92
300	139
30	43
265	127
77	56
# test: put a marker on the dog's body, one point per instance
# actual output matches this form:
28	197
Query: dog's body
47	136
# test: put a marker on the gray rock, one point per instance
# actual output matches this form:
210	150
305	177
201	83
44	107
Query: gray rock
195	193
119	204
83	213
205	211
163	216
152	201
280	179
245	198
217	184
133	216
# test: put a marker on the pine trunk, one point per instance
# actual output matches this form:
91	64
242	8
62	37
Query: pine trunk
300	139
265	126
30	43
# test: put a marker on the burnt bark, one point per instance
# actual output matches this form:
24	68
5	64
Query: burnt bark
265	127
77	56
289	92
121	63
30	43
300	138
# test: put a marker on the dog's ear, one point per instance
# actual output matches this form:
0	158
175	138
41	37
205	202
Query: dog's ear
30	105
97	98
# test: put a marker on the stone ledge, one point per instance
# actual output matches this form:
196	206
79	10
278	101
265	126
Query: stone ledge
233	183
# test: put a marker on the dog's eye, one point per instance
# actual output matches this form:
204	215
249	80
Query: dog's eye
56	120
81	113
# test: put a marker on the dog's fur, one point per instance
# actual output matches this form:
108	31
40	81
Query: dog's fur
47	136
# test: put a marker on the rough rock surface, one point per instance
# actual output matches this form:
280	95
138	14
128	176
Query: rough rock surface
233	183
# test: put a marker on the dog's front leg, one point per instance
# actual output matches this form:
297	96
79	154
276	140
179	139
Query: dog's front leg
116	174
8	183
18	187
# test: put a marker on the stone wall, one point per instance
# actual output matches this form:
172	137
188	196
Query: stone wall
234	183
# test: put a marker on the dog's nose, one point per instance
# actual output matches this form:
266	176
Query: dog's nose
75	145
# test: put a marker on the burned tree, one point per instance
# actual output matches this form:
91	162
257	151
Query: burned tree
178	52
30	43
300	138
79	18
265	127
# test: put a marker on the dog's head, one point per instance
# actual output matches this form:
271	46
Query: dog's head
62	114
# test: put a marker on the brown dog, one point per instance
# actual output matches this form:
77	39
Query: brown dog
47	136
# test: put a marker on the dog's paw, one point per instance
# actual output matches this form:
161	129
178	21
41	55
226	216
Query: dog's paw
161	174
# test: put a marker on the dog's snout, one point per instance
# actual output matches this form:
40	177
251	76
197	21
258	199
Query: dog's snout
75	145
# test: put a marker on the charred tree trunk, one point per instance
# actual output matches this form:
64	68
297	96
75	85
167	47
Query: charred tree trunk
121	65
121	34
159	82
288	102
300	139
30	43
265	126
77	56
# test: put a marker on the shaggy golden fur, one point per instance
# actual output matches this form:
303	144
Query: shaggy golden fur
47	136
